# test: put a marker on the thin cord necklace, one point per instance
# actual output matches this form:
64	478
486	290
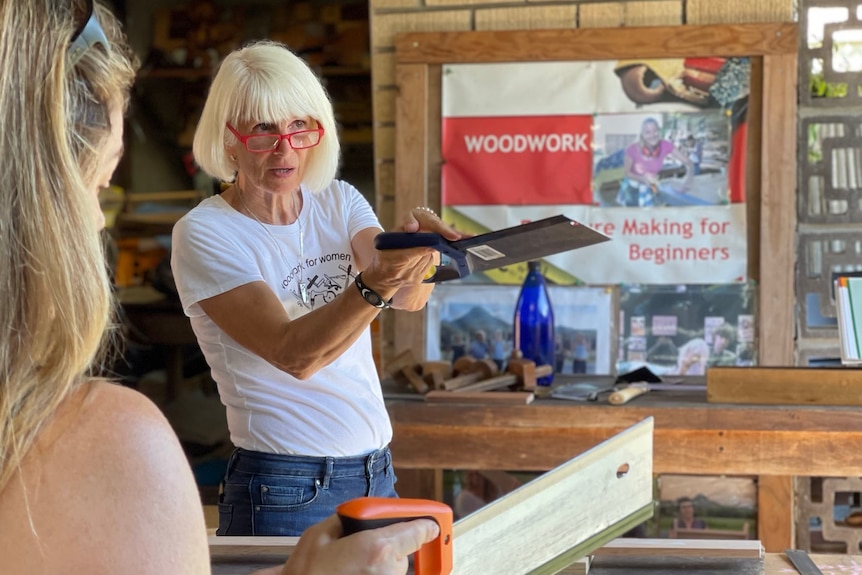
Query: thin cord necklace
303	288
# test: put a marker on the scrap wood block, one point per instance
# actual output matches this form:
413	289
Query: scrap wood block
528	371
469	371
784	385
400	361
525	369
464	364
414	379
490	383
436	372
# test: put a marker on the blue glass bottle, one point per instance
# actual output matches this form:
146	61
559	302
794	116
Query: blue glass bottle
534	321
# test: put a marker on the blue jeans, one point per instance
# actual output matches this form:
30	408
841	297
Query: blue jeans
267	494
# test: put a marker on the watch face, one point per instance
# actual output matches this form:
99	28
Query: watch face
369	295
372	298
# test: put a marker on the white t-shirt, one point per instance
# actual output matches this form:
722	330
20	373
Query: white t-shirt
339	411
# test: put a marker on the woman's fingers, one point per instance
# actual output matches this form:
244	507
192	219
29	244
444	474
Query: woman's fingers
407	538
423	219
384	551
407	266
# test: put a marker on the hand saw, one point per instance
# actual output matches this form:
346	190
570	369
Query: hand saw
496	249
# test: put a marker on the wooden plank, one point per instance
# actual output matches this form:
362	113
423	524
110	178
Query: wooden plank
784	386
481	397
691	437
776	526
434	130
681	548
753	166
597	43
542	526
777	210
410	134
251	546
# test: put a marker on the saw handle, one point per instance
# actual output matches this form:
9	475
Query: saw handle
434	558
621	396
406	240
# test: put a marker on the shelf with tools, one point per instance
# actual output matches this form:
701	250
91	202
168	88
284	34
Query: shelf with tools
180	55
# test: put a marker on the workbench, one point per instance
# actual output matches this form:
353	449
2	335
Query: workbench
243	563
691	436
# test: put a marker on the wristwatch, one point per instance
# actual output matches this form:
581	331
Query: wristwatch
369	295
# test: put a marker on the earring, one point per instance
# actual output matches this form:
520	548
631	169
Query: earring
233	158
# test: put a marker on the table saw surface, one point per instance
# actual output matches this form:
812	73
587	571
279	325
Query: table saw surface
244	562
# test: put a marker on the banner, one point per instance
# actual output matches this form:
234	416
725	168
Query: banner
630	146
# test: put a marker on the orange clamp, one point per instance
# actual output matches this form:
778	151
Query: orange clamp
434	558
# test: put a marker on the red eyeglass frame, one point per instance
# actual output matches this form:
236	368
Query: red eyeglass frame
288	136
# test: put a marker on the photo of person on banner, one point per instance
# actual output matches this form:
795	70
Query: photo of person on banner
643	163
675	159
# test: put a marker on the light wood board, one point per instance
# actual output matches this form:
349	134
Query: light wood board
564	514
682	548
545	526
784	385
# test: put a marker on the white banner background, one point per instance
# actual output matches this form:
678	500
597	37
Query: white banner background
648	245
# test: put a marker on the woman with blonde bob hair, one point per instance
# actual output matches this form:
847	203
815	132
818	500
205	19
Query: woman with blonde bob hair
240	92
92	477
281	281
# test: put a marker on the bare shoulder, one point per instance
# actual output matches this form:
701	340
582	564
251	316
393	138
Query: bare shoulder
108	420
108	485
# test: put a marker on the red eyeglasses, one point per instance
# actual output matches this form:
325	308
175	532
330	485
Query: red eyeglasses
259	143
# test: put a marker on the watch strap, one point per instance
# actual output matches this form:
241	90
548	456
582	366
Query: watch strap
369	295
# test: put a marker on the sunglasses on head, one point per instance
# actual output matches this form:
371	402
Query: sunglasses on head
89	33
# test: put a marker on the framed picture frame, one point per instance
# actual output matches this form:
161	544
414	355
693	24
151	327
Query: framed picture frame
583	323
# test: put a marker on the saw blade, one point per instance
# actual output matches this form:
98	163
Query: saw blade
802	561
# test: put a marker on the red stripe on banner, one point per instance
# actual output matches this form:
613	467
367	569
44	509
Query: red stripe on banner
736	164
514	160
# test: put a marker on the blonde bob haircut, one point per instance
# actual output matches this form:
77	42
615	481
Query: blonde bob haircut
265	82
56	303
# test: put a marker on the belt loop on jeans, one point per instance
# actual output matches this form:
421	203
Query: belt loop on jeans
231	463
369	463
330	462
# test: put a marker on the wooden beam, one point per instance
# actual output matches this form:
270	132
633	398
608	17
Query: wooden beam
777	210
410	182
597	43
776	526
481	397
784	385
691	437
564	514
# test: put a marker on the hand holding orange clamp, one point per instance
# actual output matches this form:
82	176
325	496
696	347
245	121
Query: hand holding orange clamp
434	558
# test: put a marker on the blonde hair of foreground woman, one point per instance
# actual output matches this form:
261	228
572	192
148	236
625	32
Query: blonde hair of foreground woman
56	298
92	478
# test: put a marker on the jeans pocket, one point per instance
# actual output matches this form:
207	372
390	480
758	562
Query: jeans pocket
284	495
225	516
289	506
